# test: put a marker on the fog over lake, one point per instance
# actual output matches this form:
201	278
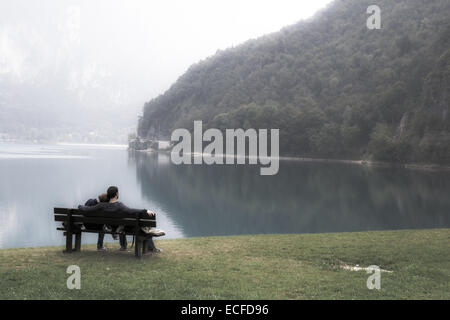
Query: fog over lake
202	200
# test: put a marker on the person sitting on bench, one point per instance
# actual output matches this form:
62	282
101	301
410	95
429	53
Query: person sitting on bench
112	206
106	228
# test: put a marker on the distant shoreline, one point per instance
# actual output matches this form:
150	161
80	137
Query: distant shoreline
367	163
30	143
92	145
370	163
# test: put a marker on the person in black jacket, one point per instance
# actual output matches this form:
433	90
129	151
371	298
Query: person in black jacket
101	235
114	206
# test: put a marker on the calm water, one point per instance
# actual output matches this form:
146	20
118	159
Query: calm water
212	200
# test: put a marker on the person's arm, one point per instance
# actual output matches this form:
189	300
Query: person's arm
124	208
91	202
90	208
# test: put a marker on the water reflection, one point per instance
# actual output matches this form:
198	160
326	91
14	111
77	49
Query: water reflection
302	198
212	200
35	179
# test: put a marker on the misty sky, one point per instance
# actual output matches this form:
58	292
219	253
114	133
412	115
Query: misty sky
103	53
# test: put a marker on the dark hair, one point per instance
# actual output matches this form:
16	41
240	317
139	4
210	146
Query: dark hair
103	197
112	192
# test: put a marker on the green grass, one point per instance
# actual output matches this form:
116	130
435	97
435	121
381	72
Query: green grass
306	266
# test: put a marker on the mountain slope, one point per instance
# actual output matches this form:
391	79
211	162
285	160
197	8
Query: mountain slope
333	87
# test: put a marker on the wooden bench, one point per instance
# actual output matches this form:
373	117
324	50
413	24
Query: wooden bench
73	218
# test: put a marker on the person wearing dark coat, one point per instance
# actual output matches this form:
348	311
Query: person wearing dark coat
113	206
101	235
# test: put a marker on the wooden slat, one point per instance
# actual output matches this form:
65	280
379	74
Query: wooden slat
111	214
61	210
64	217
105	214
110	221
128	233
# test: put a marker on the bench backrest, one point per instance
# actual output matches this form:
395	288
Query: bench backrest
101	217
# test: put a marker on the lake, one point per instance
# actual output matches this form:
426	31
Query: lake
202	200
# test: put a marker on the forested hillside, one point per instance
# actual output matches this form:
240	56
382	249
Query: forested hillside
333	87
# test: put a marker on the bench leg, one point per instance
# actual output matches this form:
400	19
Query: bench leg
78	241
68	243
144	247
138	248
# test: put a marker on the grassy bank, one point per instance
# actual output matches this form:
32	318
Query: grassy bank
243	267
